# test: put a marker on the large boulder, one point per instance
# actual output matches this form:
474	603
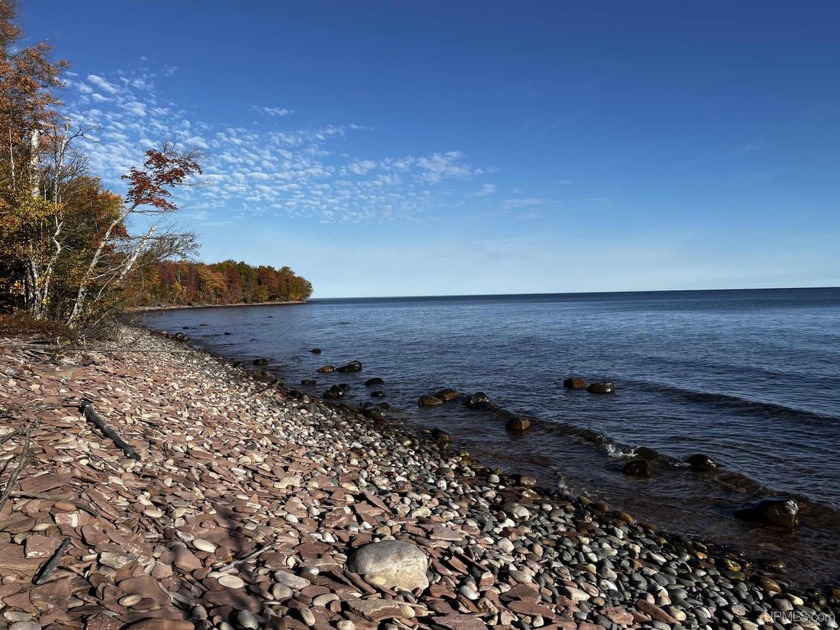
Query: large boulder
775	511
392	564
353	366
575	383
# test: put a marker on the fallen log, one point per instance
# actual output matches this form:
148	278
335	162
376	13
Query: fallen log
86	407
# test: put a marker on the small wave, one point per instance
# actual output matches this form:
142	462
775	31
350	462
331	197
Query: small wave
739	404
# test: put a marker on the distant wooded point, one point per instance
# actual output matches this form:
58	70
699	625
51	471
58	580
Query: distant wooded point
183	283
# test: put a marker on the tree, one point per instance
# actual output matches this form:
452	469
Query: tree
149	194
34	140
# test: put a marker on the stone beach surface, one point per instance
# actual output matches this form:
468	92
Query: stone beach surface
251	506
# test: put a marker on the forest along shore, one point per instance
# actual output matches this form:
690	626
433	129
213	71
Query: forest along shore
234	503
178	307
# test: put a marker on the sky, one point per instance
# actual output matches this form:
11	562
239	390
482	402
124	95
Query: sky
407	147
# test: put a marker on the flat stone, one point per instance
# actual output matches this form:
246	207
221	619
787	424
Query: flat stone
162	624
204	545
291	580
375	609
231	581
655	612
185	559
38	546
43	483
460	622
116	559
147	587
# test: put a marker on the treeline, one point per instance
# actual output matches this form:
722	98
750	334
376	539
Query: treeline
230	282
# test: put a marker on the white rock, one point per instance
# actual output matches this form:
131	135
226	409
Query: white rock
391	563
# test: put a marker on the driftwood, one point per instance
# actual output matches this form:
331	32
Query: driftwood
24	459
86	407
9	436
51	564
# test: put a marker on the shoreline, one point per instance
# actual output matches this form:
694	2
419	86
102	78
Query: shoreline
179	307
302	483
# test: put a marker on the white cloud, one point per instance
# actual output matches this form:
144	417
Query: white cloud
304	172
102	84
486	189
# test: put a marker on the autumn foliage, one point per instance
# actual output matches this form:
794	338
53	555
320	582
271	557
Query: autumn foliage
72	251
229	282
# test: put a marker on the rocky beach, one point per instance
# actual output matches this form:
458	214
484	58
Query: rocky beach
235	502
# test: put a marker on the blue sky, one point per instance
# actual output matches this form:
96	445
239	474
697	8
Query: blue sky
425	148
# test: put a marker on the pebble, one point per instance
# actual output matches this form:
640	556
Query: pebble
247	619
231	581
204	545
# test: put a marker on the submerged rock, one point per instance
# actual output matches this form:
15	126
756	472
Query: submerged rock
575	383
518	425
775	511
260	362
309	381
325	369
638	468
353	366
392	564
700	462
479	400
372	382
447	394
315	351
429	401
601	388
334	392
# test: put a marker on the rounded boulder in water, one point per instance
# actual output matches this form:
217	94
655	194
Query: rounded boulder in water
701	463
392	564
776	511
479	400
601	388
447	394
575	383
429	401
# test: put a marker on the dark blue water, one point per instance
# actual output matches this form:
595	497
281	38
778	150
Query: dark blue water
751	378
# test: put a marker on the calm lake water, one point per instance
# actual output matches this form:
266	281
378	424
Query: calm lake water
751	378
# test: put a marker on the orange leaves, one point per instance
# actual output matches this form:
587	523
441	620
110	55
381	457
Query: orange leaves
164	169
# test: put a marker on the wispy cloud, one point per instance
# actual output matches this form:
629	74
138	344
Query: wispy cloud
272	111
259	169
486	190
